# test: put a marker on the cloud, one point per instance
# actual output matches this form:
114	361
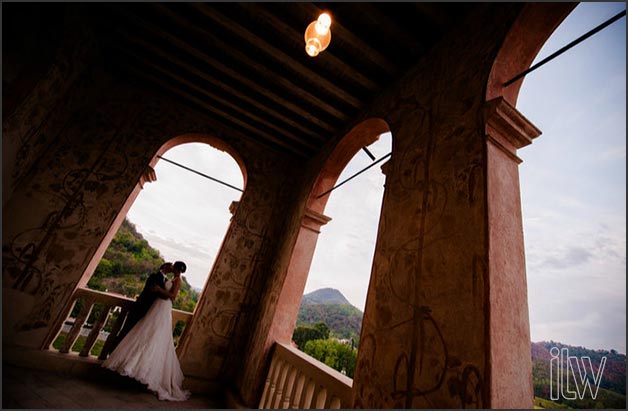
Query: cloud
183	215
571	257
580	319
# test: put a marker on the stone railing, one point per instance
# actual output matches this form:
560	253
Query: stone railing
296	380
109	304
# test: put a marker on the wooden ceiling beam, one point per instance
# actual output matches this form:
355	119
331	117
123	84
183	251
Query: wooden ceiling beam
253	130
278	55
372	13
253	85
297	38
255	65
226	88
433	13
220	100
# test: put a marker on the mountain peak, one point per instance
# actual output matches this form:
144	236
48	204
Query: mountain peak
325	296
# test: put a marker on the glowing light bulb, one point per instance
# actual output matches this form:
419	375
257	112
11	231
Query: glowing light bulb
323	23
318	35
311	50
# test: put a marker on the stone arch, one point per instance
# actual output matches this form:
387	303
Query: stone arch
529	32
147	176
203	138
506	131
363	134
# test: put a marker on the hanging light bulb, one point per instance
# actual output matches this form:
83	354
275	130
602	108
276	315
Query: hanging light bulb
318	35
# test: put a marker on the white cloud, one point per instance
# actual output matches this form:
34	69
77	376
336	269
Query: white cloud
573	186
185	215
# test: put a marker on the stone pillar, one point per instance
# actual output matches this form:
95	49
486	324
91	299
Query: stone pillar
446	318
148	176
298	270
511	364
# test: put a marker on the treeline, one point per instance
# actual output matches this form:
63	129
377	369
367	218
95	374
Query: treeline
315	341
126	265
344	320
124	269
612	391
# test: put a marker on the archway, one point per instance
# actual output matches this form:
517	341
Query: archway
573	196
507	130
177	219
360	136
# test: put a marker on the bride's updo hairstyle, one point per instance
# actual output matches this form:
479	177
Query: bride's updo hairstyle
180	266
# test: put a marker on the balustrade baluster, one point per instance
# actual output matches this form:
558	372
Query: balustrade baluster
298	391
321	398
273	385
289	387
298	381
113	335
280	386
334	404
74	332
97	326
309	394
273	365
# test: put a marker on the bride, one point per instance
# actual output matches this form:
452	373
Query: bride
147	352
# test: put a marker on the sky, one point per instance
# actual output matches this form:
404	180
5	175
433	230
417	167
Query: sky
573	192
573	184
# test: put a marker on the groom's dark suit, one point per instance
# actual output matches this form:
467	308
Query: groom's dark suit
144	301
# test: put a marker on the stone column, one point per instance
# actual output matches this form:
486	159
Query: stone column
148	176
298	270
511	363
446	318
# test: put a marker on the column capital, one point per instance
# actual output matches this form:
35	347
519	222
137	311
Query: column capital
507	128
314	221
233	207
148	176
386	167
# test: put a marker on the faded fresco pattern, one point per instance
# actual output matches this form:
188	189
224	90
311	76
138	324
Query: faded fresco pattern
425	339
63	207
425	336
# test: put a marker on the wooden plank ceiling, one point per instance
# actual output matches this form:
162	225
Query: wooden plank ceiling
244	64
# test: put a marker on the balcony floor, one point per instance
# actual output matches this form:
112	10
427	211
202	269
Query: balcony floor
29	388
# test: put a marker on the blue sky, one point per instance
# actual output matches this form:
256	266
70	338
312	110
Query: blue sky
573	191
573	184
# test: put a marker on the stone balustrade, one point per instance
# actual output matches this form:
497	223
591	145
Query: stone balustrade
108	302
296	380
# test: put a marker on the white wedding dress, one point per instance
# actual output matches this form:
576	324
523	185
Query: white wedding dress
147	353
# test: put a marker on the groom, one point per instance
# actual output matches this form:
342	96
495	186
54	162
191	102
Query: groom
146	299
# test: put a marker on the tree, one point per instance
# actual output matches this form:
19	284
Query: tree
323	328
333	353
304	333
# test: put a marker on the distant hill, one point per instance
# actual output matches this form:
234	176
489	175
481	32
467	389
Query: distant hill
612	392
127	263
325	296
345	321
331	307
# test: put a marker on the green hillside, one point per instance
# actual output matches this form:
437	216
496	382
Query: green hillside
332	308
344	321
127	263
325	296
612	392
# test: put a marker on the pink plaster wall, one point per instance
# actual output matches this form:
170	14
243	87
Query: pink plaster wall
61	211
510	330
437	294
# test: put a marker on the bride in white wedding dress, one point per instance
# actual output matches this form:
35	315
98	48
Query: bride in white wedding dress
147	352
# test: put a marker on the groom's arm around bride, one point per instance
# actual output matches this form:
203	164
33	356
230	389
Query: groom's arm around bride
145	299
